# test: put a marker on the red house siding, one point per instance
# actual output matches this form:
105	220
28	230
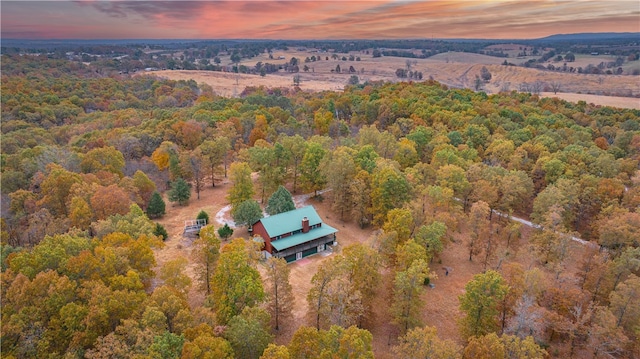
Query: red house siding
258	229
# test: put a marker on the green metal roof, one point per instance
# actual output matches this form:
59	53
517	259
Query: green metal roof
299	238
290	221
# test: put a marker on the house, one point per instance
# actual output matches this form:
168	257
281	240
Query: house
295	234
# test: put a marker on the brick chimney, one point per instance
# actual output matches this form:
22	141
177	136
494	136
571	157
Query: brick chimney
305	225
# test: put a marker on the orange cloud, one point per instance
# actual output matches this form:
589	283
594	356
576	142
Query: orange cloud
315	19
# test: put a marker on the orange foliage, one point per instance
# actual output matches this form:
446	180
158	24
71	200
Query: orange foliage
110	200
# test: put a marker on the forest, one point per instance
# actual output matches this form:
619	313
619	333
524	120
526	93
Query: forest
88	159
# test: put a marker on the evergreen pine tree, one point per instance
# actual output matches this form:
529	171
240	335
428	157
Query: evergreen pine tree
156	206
160	231
225	231
280	201
180	192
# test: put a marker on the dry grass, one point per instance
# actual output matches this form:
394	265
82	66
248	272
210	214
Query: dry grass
441	303
453	69
613	101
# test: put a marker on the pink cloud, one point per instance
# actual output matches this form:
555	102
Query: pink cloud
314	19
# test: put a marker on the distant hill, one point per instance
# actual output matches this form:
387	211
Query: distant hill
593	36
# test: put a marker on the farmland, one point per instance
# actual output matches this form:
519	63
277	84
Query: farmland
455	69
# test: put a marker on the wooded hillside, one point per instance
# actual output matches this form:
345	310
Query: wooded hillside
83	156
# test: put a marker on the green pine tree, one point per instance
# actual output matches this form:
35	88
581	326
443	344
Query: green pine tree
280	201
180	192
160	231
225	231
203	215
156	207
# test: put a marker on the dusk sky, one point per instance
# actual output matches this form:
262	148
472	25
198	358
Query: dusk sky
261	19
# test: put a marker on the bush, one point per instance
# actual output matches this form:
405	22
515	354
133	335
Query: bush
225	231
203	215
160	231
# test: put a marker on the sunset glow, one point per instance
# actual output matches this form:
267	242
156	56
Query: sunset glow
498	19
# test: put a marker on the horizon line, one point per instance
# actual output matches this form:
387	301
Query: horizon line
315	39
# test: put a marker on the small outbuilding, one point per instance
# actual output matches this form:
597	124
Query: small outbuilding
295	234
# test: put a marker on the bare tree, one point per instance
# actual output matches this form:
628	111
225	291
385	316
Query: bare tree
536	87
527	319
555	86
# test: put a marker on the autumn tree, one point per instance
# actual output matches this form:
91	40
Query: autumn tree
247	213
389	190
172	273
56	188
249	332
215	152
351	342
619	228
400	221
163	154
207	346
454	177
344	302
360	188
605	336
505	346
311	176
274	351
425	343
173	305
340	170
431	237
624	303
80	213
480	303
406	154
145	188
236	283
205	254
318	298
195	162
279	291
110	200
296	146
103	159
280	201
363	273
242	188
408	287
263	159
408	252
551	243
479	226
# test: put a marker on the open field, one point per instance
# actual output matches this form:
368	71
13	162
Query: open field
613	101
457	70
